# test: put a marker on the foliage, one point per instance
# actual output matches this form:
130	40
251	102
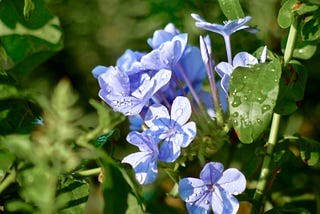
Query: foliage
63	152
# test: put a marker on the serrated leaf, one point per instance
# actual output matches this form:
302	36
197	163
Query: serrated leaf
309	151
27	42
292	86
253	94
285	15
231	9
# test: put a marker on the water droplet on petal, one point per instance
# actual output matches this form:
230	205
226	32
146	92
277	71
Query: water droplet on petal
179	112
206	202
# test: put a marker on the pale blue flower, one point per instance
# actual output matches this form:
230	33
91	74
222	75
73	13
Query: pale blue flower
227	29
213	191
144	163
128	94
173	129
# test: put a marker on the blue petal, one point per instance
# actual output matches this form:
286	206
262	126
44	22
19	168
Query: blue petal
244	59
201	206
169	151
224	68
144	165
236	25
232	181
99	70
129	57
159	37
224	203
161	78
114	81
189	131
144	142
157	115
181	110
135	122
211	172
191	189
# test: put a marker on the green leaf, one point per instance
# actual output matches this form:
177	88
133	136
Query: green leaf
310	29
304	8
73	194
309	151
27	42
305	49
292	86
253	94
231	9
6	161
285	15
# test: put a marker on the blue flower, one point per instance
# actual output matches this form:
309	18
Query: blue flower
128	94
227	29
172	129
161	36
214	190
144	163
224	69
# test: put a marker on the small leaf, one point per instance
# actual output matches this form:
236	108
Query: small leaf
253	94
304	8
309	151
231	9
292	86
285	15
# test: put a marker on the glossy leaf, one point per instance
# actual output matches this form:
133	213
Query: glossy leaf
292	86
27	42
285	15
231	9
253	93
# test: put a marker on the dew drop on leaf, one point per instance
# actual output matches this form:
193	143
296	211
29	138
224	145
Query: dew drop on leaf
236	101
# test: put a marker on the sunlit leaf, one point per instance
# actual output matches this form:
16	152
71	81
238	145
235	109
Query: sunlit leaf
27	42
253	95
292	86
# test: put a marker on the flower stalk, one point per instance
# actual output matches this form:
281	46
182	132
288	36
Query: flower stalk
266	172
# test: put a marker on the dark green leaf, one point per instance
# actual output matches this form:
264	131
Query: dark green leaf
253	94
311	27
309	151
292	86
281	210
285	15
305	49
27	42
231	9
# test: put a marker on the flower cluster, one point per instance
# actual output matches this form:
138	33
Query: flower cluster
160	90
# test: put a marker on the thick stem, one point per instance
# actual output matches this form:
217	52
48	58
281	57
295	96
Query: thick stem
266	172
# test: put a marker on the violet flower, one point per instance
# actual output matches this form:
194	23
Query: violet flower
144	163
129	94
172	129
213	191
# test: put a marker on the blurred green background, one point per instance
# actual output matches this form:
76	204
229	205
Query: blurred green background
97	32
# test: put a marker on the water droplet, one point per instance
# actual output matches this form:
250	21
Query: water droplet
245	98
265	108
206	202
259	121
235	114
245	77
236	101
276	80
191	203
235	122
166	61
273	70
141	88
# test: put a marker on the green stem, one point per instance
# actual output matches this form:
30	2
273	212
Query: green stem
89	172
8	180
265	172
